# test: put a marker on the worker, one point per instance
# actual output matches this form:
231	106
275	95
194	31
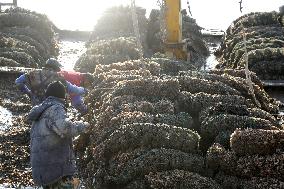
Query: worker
35	82
79	79
52	155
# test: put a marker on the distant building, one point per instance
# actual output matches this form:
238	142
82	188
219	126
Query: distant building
14	4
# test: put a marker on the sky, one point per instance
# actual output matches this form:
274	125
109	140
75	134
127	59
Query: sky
83	14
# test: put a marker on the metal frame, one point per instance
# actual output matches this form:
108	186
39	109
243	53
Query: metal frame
273	83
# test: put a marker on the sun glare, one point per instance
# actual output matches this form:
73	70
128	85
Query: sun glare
75	15
83	14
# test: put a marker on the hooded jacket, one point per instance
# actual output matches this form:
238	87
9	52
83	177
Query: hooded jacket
52	155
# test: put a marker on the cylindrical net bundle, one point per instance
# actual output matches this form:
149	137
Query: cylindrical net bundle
138	135
240	84
14	44
177	179
196	85
257	141
238	73
195	103
116	75
227	181
264	45
241	110
268	166
165	88
8	62
27	38
153	67
213	125
107	52
122	171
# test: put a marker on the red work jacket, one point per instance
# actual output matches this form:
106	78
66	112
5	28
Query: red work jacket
76	78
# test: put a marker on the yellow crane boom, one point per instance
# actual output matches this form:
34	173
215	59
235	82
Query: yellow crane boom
173	19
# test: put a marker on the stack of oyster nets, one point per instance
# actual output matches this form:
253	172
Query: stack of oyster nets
117	22
113	40
151	130
106	52
255	160
264	41
220	103
123	49
26	38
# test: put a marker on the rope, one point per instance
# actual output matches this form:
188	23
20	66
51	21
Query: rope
136	28
188	7
247	71
241	7
162	20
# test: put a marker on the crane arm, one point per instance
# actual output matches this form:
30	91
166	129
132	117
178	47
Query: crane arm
173	21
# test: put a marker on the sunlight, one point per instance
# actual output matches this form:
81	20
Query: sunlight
83	14
75	15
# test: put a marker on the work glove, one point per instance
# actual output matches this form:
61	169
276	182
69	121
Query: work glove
24	89
81	90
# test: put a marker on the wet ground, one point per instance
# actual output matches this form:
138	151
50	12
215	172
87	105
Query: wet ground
5	118
70	51
211	61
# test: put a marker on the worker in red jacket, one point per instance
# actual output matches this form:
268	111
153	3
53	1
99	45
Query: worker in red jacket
79	79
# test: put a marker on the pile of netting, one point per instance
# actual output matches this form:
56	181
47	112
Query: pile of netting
151	130
27	38
117	22
264	42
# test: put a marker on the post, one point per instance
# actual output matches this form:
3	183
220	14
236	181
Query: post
174	44
281	17
281	10
15	3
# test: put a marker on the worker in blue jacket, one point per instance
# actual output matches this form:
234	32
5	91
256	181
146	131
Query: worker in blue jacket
35	83
52	155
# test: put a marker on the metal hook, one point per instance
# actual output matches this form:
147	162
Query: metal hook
241	8
189	8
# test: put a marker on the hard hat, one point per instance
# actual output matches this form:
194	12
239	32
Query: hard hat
53	63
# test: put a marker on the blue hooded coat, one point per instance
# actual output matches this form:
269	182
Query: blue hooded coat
52	155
